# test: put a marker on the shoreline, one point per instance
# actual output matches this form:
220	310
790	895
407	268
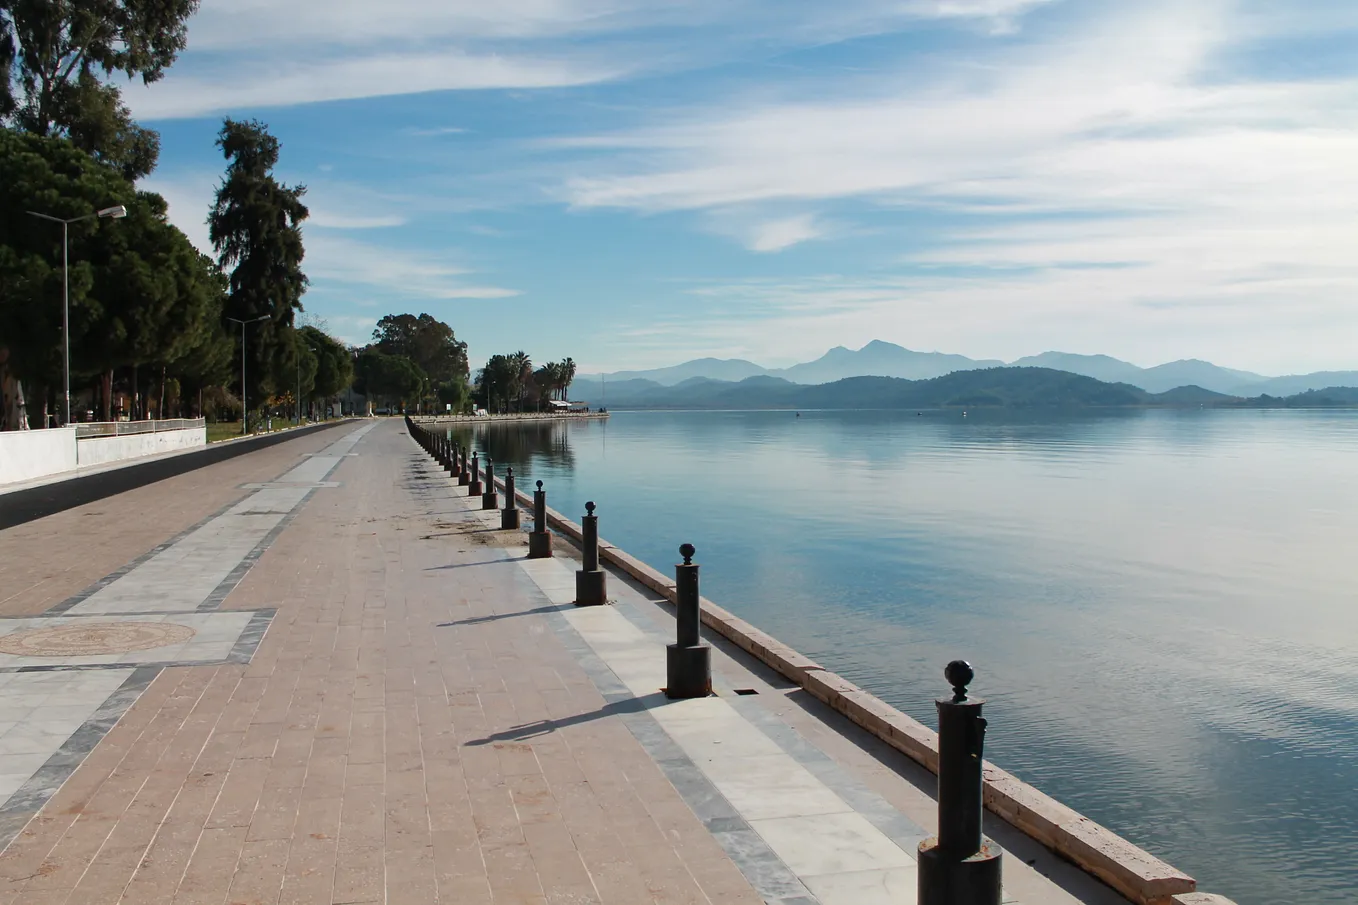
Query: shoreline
515	416
1126	867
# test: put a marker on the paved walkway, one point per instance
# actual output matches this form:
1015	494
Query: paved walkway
317	674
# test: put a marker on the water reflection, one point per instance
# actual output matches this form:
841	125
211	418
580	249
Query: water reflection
1160	604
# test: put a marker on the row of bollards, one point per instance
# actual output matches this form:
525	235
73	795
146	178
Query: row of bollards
959	866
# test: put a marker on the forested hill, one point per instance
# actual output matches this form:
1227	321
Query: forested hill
1012	387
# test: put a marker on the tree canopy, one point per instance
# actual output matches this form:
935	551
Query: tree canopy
428	342
57	56
390	378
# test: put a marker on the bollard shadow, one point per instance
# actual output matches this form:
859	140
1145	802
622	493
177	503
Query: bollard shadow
465	565
496	617
538	728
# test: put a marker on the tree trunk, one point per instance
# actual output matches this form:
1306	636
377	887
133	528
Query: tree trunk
106	382
13	414
160	409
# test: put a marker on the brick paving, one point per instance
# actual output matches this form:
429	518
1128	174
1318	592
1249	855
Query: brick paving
368	752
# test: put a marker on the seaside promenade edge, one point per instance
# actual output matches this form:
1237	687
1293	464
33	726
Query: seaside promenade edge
315	673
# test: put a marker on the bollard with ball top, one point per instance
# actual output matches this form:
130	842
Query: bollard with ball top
591	582
463	478
959	866
539	539
509	516
490	499
688	662
474	483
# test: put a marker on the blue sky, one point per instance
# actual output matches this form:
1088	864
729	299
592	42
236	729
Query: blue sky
639	182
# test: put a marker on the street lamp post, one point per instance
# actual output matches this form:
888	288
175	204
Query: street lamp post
244	406
115	213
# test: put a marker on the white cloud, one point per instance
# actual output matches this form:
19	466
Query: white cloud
289	81
259	53
1176	211
775	235
346	262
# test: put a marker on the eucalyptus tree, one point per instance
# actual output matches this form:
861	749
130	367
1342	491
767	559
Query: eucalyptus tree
256	229
57	58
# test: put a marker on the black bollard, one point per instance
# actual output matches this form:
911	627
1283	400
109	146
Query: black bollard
959	866
474	484
509	516
490	499
539	539
463	478
688	663
591	582
449	458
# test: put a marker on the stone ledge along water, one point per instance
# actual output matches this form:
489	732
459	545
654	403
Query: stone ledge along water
1157	599
1135	873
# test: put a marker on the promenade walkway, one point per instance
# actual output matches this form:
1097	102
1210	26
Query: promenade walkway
317	674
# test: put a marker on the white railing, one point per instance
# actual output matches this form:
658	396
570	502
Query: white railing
123	428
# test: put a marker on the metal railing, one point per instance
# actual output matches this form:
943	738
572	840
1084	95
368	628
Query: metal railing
123	428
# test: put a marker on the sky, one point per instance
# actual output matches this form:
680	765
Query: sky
634	183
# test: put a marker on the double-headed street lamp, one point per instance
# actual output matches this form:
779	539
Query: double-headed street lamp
116	212
244	407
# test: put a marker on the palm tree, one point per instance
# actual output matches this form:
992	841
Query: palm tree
567	376
523	370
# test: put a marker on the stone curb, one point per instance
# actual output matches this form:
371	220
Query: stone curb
1127	868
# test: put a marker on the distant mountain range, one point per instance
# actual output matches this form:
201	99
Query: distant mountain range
1012	387
884	359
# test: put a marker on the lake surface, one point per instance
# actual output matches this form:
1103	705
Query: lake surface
1161	606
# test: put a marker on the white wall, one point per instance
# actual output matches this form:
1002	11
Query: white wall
25	455
102	450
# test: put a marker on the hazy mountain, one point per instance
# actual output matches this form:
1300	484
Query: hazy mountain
884	359
1189	372
1100	367
1193	372
972	388
967	388
732	369
878	359
1300	383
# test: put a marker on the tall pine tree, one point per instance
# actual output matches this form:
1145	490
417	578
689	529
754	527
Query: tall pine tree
256	229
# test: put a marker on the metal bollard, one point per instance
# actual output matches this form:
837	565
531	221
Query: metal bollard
509	516
688	663
539	539
490	499
591	582
959	866
474	484
463	478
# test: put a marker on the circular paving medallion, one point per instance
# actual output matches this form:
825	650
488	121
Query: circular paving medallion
91	640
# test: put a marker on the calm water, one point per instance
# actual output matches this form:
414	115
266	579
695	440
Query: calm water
1160	605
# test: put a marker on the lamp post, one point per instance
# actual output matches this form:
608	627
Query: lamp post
116	212
244	407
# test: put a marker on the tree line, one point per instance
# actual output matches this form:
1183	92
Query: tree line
155	327
510	383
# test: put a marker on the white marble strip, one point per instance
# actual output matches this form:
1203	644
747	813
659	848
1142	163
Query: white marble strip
185	574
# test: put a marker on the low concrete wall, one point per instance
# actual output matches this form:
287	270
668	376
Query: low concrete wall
27	455
102	450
